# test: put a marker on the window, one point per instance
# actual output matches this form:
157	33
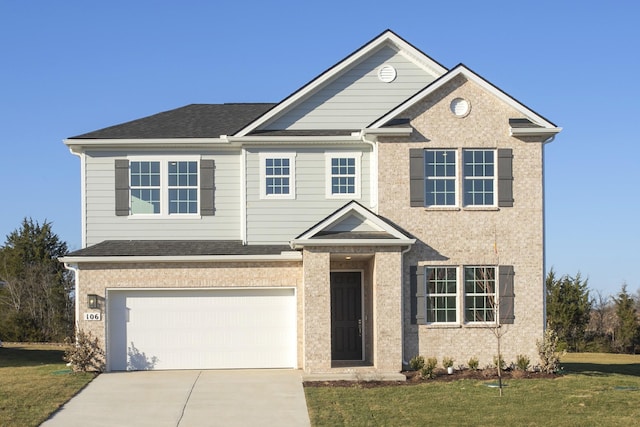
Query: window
145	188
487	178
479	176
442	288
277	175
480	294
443	295
183	187
160	187
440	177
343	175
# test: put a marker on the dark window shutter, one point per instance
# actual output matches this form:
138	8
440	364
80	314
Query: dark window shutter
505	177
122	187
507	295
416	176
207	187
418	297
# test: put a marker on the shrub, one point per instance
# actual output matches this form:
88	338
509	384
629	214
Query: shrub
522	362
548	351
428	370
447	362
416	363
85	354
474	363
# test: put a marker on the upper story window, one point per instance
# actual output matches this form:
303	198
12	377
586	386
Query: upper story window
479	177
176	186
343	175
440	177
145	187
183	187
277	175
485	178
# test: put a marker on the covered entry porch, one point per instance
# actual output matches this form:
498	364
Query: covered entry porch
352	296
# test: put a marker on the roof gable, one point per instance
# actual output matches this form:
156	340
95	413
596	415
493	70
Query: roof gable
346	82
354	225
538	123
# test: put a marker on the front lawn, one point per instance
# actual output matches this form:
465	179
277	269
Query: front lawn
596	390
34	382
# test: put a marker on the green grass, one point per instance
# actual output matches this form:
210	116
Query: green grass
34	382
597	390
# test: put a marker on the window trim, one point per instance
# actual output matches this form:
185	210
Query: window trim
456	179
464	179
164	186
496	291
456	295
263	174
330	155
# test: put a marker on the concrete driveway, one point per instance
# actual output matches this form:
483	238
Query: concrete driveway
188	398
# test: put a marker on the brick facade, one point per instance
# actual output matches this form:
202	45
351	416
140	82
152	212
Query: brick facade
459	236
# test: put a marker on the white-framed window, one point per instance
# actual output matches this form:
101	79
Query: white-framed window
440	178
343	175
479	177
442	294
480	294
164	186
277	175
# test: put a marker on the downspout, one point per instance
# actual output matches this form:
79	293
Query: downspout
404	357
544	239
243	195
74	268
83	206
373	174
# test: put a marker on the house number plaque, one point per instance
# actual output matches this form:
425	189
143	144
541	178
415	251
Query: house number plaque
92	316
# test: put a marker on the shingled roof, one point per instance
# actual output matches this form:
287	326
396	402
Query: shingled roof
190	121
176	248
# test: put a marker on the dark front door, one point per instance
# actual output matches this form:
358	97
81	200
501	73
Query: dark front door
346	316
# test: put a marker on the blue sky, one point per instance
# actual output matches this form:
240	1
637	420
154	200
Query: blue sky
75	66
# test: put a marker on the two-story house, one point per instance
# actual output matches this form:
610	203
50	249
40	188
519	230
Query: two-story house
390	207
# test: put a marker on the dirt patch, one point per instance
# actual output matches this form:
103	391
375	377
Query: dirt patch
414	378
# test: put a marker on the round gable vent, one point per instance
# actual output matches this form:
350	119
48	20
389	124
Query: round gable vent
387	73
460	107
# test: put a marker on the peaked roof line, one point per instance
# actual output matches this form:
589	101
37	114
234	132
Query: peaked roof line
468	73
385	37
398	237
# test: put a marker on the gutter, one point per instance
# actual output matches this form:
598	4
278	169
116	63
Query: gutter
282	257
535	131
301	243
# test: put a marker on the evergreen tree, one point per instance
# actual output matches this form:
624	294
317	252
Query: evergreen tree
568	309
35	299
627	335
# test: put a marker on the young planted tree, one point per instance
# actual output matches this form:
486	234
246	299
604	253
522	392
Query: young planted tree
568	309
35	299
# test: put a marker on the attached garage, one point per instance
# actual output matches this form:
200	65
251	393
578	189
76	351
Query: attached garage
201	329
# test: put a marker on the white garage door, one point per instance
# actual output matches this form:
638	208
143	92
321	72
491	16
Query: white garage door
201	329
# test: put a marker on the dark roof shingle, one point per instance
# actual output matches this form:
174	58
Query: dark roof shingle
176	248
190	121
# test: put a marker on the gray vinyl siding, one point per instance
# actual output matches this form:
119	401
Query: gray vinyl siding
103	224
277	221
357	97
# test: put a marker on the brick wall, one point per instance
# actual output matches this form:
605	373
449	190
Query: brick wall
458	237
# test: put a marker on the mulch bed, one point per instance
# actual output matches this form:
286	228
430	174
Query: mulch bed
414	378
